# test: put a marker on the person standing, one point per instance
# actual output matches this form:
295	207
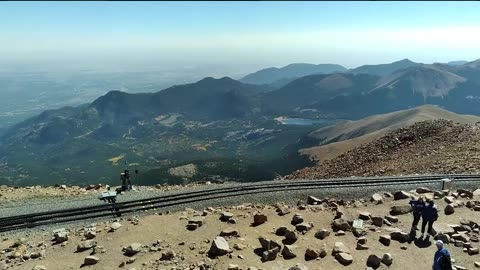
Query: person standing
417	207
441	259
429	216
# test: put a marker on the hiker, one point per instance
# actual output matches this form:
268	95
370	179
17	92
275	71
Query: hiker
429	215
441	259
417	206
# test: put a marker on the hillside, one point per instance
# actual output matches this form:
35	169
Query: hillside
289	72
340	138
438	146
384	69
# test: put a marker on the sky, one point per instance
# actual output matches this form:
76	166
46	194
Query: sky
236	36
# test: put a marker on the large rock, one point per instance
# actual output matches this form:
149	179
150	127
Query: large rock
270	255
374	261
290	236
259	218
391	219
115	226
90	234
401	195
364	215
313	200
449	199
400	210
422	190
226	216
219	247
449	209
297	219
322	234
289	251
341	224
198	220
60	236
344	258
168	255
385	240
377	221
268	244
229	233
85	245
376	198
133	249
90	260
401	237
303	227
387	259
340	247
444	237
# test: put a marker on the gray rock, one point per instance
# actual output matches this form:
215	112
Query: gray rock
38	267
401	237
115	226
291	236
340	247
90	260
219	247
313	200
233	267
90	234
392	219
364	215
199	220
400	210
449	199
259	218
297	219
401	195
377	221
449	209
344	258
270	255
473	251
229	233
168	255
341	224
373	261
387	259
303	227
133	249
60	236
322	234
385	240
226	216
85	245
376	198
268	244
289	251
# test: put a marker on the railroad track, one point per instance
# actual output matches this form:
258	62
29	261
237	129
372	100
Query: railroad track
67	215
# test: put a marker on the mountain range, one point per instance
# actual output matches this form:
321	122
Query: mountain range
215	123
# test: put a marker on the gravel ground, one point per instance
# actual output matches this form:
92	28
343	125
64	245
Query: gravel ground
288	197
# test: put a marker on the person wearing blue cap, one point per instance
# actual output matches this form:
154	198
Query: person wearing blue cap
441	259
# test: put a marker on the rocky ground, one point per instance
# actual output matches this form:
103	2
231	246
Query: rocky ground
314	234
428	147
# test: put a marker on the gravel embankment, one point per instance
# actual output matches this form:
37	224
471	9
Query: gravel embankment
288	197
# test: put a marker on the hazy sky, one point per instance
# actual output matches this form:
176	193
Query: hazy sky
237	35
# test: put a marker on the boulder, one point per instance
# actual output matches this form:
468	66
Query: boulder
374	261
168	255
322	234
233	267
90	234
473	251
444	237
289	252
340	247
401	237
461	237
132	249
401	195
281	231
198	220
361	246
60	236
311	253
226	216
341	224
377	221
90	260
270	255
259	218
297	219
400	210
344	258
449	209
303	227
422	190
313	200
219	247
385	240
376	198
387	259
85	245
449	199
291	236
364	215
362	240
229	233
268	244
392	219
115	226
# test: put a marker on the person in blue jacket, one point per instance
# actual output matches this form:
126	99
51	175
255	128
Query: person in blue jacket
441	259
429	216
417	207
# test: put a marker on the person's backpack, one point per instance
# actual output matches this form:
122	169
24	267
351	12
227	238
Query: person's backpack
446	262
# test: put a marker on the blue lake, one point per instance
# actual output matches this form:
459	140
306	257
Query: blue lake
305	122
